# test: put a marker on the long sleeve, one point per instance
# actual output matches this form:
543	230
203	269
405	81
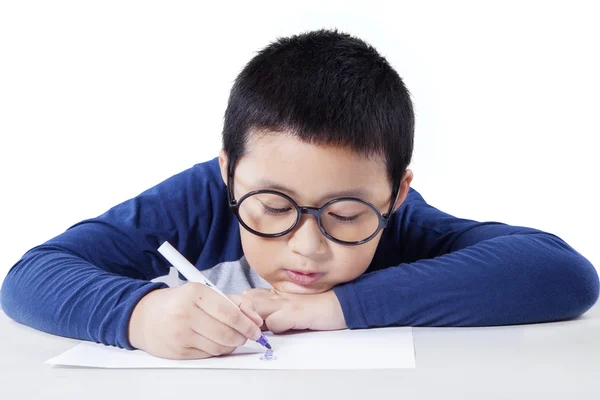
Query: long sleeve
433	269
85	282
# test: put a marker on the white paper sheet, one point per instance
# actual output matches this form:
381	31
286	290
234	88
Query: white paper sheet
379	348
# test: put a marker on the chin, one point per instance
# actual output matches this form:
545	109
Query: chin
293	288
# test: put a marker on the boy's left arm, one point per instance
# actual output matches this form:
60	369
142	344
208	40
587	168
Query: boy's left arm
433	269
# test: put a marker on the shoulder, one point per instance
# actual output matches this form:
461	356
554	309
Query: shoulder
198	184
206	173
413	196
210	185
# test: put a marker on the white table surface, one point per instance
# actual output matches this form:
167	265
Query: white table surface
546	361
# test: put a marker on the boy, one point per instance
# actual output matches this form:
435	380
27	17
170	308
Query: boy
306	218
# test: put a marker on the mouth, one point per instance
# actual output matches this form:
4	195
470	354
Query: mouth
301	278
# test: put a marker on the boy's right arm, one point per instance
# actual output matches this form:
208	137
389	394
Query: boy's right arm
86	282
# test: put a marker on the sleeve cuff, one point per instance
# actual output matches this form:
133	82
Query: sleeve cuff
122	337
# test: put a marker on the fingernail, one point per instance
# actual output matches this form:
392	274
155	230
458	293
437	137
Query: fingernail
257	334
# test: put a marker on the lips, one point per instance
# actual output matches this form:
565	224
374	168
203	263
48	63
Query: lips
302	278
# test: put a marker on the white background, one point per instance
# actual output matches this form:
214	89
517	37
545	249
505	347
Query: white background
102	100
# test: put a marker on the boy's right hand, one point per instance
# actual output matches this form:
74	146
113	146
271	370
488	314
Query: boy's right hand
191	321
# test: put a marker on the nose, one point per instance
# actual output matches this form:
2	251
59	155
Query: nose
306	239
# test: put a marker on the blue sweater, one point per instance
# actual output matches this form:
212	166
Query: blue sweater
430	268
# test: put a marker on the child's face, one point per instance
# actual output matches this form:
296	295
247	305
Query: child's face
304	261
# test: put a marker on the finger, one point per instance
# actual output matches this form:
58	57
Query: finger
280	321
260	293
263	304
202	343
247	307
214	330
188	353
222	310
257	290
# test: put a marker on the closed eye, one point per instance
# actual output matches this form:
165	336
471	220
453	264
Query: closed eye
343	218
275	211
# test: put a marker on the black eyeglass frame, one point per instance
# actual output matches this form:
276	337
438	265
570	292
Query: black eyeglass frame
300	210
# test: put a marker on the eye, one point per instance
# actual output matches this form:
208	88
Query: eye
275	211
345	219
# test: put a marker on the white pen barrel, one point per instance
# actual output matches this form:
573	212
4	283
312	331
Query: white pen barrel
187	269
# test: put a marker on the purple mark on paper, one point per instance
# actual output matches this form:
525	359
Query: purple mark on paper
268	356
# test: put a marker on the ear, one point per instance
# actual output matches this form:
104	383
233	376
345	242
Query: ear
223	163
404	186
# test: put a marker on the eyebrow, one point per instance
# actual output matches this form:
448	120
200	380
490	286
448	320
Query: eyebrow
268	184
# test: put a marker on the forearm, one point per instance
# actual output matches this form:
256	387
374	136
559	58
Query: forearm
60	293
514	279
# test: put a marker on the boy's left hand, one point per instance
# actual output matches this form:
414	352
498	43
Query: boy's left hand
283	311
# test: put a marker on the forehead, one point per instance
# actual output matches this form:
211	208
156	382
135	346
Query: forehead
311	171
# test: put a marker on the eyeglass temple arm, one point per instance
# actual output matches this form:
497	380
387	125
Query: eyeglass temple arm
395	194
230	168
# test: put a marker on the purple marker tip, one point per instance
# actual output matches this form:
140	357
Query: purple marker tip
263	341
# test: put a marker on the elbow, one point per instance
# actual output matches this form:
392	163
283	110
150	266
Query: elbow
9	295
575	286
16	293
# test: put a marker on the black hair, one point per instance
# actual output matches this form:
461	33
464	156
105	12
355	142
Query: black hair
325	88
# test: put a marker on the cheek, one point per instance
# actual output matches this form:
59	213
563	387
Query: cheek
261	254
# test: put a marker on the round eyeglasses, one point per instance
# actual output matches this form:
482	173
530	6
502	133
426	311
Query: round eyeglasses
346	220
